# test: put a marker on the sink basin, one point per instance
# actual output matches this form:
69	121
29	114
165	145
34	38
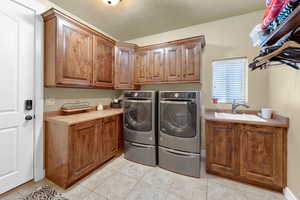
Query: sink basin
245	117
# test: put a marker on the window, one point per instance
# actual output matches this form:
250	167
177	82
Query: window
230	80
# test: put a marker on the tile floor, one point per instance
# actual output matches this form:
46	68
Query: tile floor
120	179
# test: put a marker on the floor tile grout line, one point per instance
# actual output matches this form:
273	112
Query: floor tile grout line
139	180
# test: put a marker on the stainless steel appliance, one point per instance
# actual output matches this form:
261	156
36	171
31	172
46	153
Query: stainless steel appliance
179	132
140	132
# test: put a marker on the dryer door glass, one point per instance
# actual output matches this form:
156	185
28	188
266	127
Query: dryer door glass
138	115
178	118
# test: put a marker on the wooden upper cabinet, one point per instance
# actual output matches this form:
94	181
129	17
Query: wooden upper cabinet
157	65
141	66
124	66
191	61
83	148
103	57
75	58
222	154
173	64
262	154
76	55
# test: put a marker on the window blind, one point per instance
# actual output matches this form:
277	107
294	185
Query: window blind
230	80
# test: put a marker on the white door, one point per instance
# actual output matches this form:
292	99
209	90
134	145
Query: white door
16	86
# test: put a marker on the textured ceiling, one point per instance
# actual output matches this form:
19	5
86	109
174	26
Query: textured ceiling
137	18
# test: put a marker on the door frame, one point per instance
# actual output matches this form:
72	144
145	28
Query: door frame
38	79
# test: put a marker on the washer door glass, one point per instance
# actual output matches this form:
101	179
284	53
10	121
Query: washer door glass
178	118
138	115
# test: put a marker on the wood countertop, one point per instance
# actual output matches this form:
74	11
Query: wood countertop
276	121
83	117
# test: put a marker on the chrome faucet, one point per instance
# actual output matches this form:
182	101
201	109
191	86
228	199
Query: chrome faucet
236	105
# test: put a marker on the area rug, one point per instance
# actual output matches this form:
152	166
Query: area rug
45	193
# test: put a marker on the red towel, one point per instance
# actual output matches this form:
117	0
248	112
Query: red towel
272	11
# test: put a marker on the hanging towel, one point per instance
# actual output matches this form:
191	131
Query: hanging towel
272	11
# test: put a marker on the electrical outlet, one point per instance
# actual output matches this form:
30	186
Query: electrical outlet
50	102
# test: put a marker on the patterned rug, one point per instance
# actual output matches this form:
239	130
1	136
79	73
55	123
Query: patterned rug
45	193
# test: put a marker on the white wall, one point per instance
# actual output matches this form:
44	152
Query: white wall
284	98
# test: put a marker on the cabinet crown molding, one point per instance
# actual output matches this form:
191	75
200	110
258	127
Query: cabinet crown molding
52	12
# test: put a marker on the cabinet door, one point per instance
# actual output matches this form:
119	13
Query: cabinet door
173	63
141	66
262	154
191	61
74	58
120	133
124	73
103	57
109	137
222	150
157	62
83	149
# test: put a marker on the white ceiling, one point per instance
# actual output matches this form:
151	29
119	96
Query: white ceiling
137	18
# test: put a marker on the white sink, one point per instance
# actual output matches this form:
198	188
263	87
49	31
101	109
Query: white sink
245	117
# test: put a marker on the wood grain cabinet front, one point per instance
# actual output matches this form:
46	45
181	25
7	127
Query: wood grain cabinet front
83	150
222	152
124	66
191	61
142	67
71	152
157	65
109	137
75	58
171	62
262	154
76	55
173	67
103	62
254	154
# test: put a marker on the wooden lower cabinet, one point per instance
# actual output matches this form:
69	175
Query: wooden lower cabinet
253	154
222	156
83	149
71	152
109	137
262	154
120	134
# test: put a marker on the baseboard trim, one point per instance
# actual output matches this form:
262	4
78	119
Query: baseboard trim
40	175
289	194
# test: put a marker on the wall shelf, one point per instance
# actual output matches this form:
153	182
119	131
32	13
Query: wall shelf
290	23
